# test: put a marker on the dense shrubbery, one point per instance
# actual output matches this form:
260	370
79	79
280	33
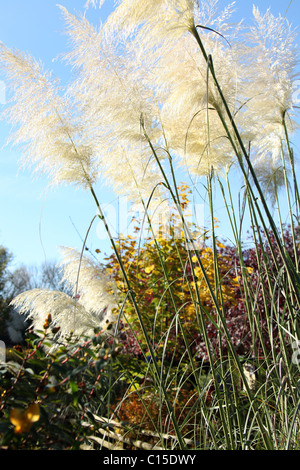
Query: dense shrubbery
5	258
261	278
160	272
64	383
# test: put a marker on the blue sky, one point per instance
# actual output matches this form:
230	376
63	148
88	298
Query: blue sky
34	223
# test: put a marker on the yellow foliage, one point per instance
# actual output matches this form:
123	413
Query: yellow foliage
162	291
149	269
24	419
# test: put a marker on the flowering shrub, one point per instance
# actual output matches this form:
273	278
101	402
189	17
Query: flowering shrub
144	412
159	305
261	278
44	398
161	272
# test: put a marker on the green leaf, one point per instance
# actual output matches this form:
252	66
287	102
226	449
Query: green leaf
73	386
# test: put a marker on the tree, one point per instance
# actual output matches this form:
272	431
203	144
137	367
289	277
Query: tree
5	259
48	275
25	278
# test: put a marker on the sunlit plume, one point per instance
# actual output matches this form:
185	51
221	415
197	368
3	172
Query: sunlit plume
50	138
94	298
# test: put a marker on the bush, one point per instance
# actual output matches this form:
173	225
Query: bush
250	286
161	271
48	394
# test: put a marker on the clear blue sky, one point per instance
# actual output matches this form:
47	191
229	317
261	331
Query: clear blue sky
32	224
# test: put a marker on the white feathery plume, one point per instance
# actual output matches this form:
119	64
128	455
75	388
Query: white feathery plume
95	296
190	99
142	77
97	292
53	143
94	3
176	16
171	62
271	176
37	304
271	58
117	106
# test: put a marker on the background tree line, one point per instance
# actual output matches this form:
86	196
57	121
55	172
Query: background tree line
15	281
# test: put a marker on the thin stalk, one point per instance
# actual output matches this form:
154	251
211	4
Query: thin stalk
218	293
286	260
202	321
291	157
245	289
138	313
290	204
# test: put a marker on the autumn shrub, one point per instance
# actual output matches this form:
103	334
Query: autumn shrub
258	293
160	271
49	389
143	411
